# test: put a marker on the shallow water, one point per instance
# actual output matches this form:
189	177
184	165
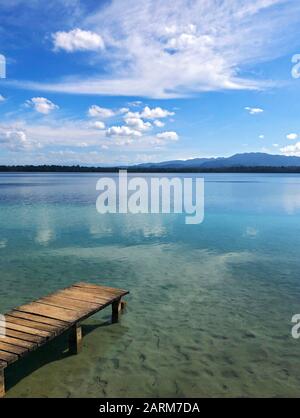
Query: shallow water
210	307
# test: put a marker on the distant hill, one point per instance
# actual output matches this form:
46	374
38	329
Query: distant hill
196	162
252	159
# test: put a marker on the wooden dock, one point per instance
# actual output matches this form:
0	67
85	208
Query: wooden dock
34	324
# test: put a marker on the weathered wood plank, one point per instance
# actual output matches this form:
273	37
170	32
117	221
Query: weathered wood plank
86	293
3	365
38	318
75	339
12	348
104	294
84	296
50	311
27	330
116	309
20	343
113	290
32	324
2	381
95	289
8	357
66	303
23	336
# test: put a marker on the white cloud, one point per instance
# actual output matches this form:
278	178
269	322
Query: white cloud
13	139
148	113
137	123
188	40
136	103
254	110
77	40
171	135
2	98
123	110
96	111
100	112
261	137
291	150
122	131
199	46
159	123
23	135
292	136
41	105
98	125
155	113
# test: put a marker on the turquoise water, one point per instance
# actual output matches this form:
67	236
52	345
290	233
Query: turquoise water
210	308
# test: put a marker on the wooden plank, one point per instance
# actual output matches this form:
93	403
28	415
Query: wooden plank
27	330
75	339
113	290
50	311
8	357
86	297
100	290
116	309
18	342
3	365
66	303
38	318
89	293
23	336
2	381
96	292
93	288
12	348
32	324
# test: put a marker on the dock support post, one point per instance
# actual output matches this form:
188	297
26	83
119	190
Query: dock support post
117	307
2	383
75	339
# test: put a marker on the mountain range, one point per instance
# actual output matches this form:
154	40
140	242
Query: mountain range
252	159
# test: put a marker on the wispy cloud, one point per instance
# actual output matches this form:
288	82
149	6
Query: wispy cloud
77	40
13	139
291	150
168	135
154	50
41	105
292	136
100	112
254	110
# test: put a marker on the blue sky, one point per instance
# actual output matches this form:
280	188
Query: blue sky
106	82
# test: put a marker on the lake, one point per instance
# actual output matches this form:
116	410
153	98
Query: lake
210	305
